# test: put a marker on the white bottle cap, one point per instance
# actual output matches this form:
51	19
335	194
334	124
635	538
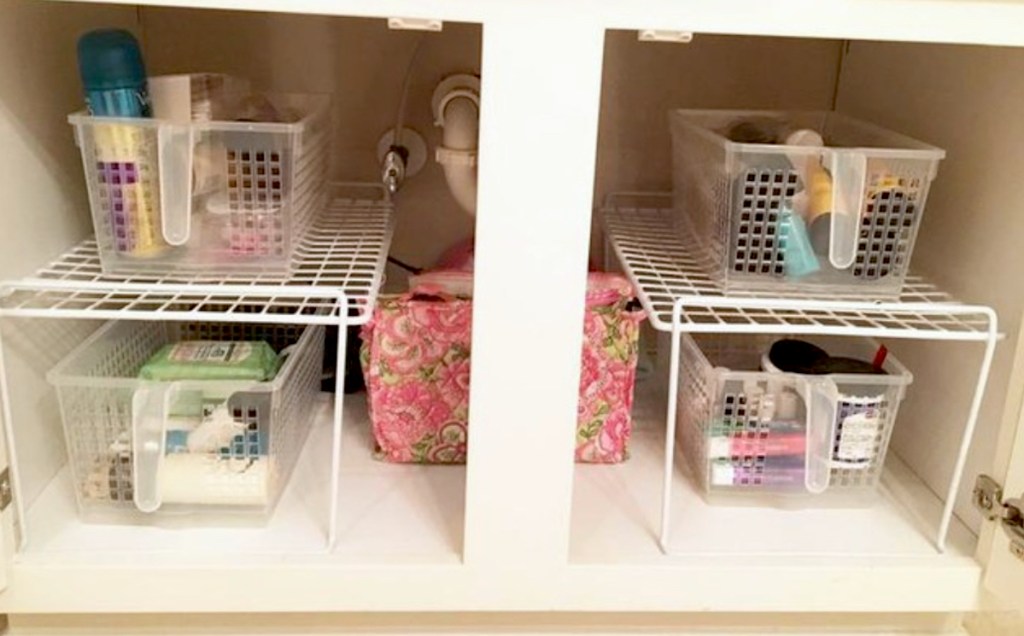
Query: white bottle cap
719	447
722	475
804	137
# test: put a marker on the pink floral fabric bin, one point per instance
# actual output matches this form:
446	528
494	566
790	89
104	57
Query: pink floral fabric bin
416	356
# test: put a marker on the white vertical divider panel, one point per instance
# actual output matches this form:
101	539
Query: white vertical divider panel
538	134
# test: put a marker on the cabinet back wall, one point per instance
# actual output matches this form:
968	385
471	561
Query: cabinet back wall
361	63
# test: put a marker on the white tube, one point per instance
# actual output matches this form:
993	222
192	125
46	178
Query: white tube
458	154
191	478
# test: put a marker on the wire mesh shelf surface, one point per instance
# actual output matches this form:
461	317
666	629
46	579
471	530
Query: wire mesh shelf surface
339	262
640	229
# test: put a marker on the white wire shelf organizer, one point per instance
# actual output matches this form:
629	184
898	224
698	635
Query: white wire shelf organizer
337	276
679	298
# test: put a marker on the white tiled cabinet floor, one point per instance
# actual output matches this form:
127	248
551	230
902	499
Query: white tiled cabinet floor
574	102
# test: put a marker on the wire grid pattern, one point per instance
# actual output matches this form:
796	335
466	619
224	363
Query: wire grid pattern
663	269
98	420
344	252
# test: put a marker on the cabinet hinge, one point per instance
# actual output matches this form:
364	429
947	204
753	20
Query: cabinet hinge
6	493
988	498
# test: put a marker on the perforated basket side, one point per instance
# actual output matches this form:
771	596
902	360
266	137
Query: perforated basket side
880	408
740	409
742	205
117	350
894	199
759	239
697	395
309	190
701	168
96	385
295	401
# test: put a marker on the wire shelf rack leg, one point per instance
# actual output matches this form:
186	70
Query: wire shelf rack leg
968	434
670	430
339	405
12	454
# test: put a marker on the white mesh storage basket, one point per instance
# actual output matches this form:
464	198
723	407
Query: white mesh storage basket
766	216
757	435
121	430
216	197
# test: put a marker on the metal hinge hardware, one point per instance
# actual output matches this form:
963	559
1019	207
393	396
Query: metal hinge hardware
988	498
6	493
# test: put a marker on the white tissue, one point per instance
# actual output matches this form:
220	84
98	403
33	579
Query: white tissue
216	431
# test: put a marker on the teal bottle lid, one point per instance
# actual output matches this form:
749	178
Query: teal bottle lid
109	59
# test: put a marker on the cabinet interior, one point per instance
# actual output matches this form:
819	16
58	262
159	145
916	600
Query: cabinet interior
932	92
960	98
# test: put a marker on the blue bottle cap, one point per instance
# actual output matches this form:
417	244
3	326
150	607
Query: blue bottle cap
110	59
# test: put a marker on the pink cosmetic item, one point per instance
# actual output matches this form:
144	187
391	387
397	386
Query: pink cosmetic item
724	447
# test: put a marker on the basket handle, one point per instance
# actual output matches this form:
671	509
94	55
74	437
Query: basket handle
176	145
822	404
849	175
151	406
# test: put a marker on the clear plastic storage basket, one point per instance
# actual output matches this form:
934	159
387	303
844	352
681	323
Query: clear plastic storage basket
126	462
765	216
215	197
760	436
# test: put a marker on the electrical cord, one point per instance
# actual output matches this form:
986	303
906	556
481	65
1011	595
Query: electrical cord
409	268
406	82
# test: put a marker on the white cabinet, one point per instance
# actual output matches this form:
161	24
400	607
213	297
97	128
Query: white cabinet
573	109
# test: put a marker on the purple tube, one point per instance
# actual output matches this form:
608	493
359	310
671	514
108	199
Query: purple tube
775	477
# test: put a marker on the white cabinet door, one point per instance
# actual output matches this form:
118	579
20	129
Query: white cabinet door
1004	576
1002	549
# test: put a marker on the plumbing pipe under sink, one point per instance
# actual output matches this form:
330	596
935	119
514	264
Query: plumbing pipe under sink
457	111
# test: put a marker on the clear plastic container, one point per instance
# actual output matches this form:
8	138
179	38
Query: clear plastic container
215	197
124	434
764	216
765	436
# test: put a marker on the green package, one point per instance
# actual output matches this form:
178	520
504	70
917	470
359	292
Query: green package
212	360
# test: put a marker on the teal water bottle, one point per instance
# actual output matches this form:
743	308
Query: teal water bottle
113	75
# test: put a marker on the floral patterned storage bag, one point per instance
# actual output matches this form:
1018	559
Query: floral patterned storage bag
416	356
